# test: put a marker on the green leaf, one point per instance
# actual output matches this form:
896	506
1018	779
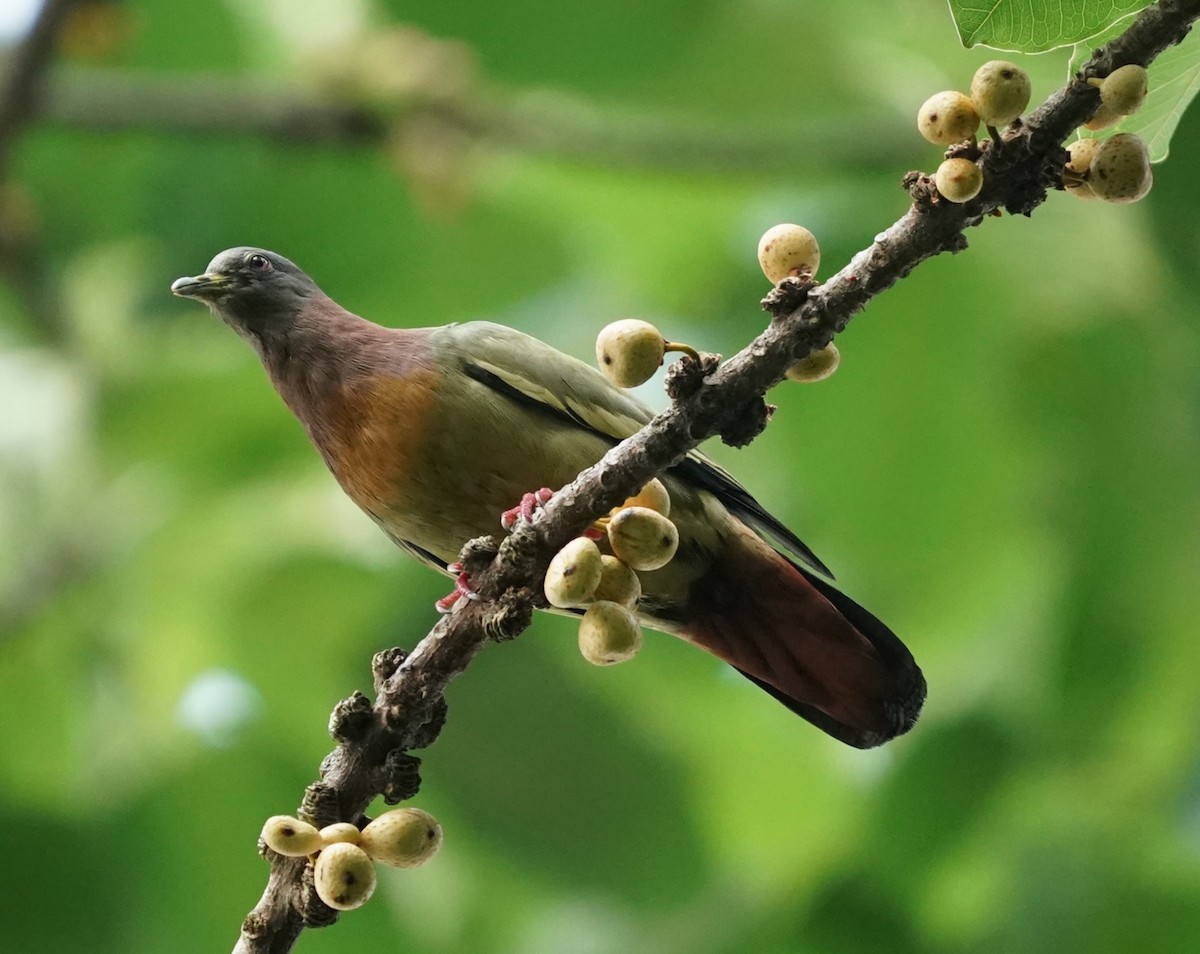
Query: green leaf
1174	82
1029	27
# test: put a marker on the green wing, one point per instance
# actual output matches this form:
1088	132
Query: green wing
530	372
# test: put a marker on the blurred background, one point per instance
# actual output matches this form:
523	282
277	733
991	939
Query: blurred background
1006	469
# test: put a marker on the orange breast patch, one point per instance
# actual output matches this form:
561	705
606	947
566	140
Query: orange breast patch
373	433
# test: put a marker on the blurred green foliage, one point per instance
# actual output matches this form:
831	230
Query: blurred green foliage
1006	469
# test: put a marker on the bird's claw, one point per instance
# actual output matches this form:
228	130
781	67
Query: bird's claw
524	512
527	510
462	589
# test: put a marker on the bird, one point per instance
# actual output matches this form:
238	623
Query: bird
435	431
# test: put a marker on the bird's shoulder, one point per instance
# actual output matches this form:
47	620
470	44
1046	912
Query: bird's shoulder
524	369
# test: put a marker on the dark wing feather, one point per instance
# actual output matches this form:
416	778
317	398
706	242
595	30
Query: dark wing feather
701	472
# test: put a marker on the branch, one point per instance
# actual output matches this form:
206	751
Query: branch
22	92
373	740
540	123
23	85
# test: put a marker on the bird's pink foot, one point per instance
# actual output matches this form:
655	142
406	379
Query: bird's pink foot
527	509
462	588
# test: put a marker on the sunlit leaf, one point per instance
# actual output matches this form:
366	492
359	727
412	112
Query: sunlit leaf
1029	27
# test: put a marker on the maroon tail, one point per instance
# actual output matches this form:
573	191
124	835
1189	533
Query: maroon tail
812	648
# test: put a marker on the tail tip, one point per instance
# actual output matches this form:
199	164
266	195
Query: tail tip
900	711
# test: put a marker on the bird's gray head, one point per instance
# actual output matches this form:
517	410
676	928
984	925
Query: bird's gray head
257	293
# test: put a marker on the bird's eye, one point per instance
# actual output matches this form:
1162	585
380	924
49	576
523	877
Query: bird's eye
260	262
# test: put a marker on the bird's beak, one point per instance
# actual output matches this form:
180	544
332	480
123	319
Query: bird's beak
202	286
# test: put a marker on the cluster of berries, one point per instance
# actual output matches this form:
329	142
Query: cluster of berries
343	857
640	536
1000	92
1116	169
630	351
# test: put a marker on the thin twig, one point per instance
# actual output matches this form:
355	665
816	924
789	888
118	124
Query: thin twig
372	758
22	91
23	85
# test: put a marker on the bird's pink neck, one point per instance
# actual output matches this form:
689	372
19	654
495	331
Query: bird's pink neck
328	352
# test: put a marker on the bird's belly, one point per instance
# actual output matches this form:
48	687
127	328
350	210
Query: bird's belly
482	475
469	469
447	481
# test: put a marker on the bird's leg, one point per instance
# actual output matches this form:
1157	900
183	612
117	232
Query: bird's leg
527	509
462	587
531	505
525	512
475	555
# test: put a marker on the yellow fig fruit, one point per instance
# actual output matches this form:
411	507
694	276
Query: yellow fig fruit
787	250
816	366
618	583
344	876
948	117
1082	152
1124	89
1103	118
629	351
573	574
1120	170
608	634
654	495
958	180
1000	92
338	833
290	836
642	538
402	838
